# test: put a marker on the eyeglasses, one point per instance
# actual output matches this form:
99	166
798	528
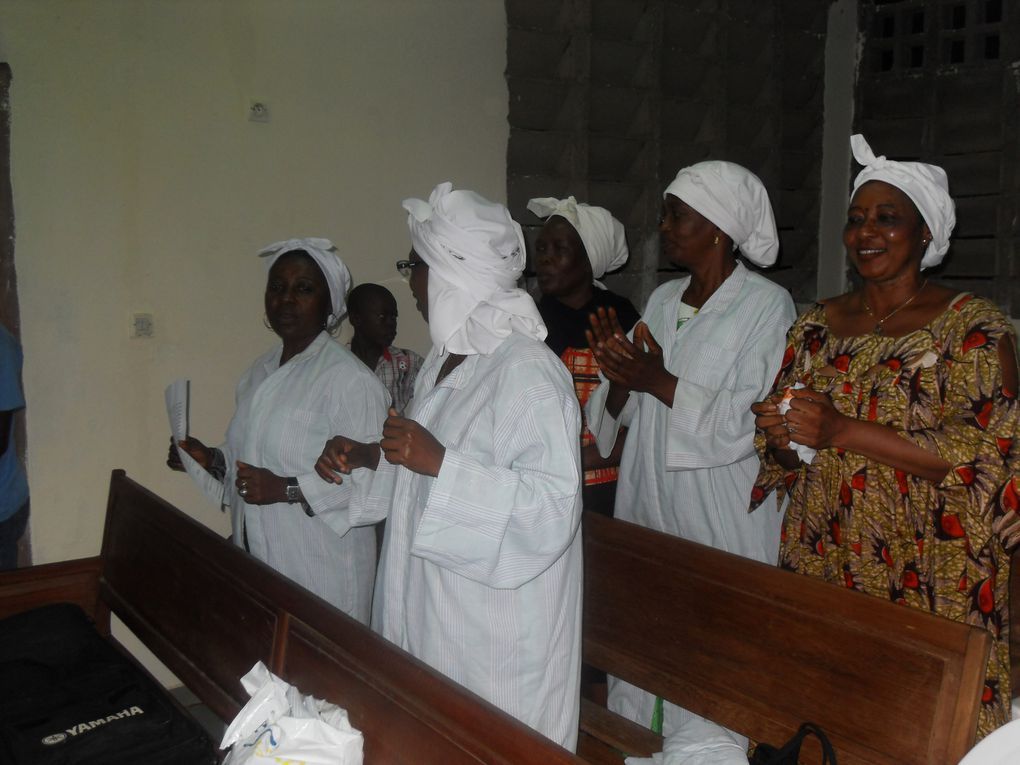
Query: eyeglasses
405	267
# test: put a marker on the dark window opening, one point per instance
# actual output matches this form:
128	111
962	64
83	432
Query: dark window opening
887	26
957	17
917	23
993	11
916	56
991	47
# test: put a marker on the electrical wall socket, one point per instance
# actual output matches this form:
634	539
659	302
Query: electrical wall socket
258	111
142	325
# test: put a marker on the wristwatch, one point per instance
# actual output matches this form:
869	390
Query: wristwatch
294	496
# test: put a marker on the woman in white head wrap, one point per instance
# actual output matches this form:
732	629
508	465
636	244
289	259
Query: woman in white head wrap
576	246
708	345
291	399
907	414
480	574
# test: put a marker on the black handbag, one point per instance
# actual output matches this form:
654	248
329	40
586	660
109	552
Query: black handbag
789	753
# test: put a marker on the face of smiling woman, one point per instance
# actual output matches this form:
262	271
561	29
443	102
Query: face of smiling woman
884	235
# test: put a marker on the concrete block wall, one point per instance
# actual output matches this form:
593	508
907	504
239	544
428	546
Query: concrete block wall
939	82
610	98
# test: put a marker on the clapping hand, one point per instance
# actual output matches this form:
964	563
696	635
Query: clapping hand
634	365
342	455
770	422
408	443
812	420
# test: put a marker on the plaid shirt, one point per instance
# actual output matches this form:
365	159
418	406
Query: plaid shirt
585	371
397	369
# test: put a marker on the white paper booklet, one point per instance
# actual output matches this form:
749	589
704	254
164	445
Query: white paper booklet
178	401
178	395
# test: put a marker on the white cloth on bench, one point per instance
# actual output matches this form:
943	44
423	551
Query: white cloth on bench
693	740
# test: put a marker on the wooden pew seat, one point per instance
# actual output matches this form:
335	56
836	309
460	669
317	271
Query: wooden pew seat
209	611
761	650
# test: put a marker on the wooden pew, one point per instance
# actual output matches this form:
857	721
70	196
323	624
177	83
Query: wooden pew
761	650
209	612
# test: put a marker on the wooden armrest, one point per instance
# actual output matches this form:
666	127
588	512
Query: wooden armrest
74	581
618	732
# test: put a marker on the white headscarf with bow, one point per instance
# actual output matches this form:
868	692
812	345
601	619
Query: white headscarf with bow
324	253
926	185
603	236
475	254
735	200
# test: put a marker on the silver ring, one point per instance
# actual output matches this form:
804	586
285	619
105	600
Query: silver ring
243	491
791	428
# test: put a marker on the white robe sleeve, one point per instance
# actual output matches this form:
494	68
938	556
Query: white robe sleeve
359	414
504	517
601	423
709	427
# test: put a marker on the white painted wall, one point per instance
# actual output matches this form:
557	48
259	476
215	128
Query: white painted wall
141	186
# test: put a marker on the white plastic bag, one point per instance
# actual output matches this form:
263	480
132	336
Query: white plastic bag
280	725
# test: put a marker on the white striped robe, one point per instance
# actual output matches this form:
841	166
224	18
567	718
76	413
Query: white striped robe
283	418
480	575
688	469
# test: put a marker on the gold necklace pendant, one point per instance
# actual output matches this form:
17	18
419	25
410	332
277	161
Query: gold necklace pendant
877	330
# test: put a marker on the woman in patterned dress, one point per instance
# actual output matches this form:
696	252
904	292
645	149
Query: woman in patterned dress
898	453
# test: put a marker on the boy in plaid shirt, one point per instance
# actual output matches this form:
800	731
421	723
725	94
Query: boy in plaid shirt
372	311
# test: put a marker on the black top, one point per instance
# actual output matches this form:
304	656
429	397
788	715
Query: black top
566	325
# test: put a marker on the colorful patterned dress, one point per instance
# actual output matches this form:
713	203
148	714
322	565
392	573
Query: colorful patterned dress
872	528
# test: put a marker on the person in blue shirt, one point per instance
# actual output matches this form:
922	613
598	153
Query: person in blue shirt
13	481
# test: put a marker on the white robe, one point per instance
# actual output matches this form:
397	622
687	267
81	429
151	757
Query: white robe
481	571
688	469
284	416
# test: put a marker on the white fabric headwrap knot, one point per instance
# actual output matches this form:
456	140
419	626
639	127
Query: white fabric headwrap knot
603	236
475	254
324	253
926	185
735	200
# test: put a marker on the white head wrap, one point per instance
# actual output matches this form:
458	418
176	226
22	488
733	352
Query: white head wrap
602	235
323	252
735	200
475	254
926	185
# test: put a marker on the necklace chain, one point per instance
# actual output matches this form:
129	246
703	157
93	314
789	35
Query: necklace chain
879	322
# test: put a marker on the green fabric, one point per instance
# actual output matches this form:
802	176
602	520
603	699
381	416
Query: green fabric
656	725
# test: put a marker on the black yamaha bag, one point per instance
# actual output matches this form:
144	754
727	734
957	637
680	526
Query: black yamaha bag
68	697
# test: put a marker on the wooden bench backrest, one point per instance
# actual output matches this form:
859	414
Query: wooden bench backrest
761	650
209	612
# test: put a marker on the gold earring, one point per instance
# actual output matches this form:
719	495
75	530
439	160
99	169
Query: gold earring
716	240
